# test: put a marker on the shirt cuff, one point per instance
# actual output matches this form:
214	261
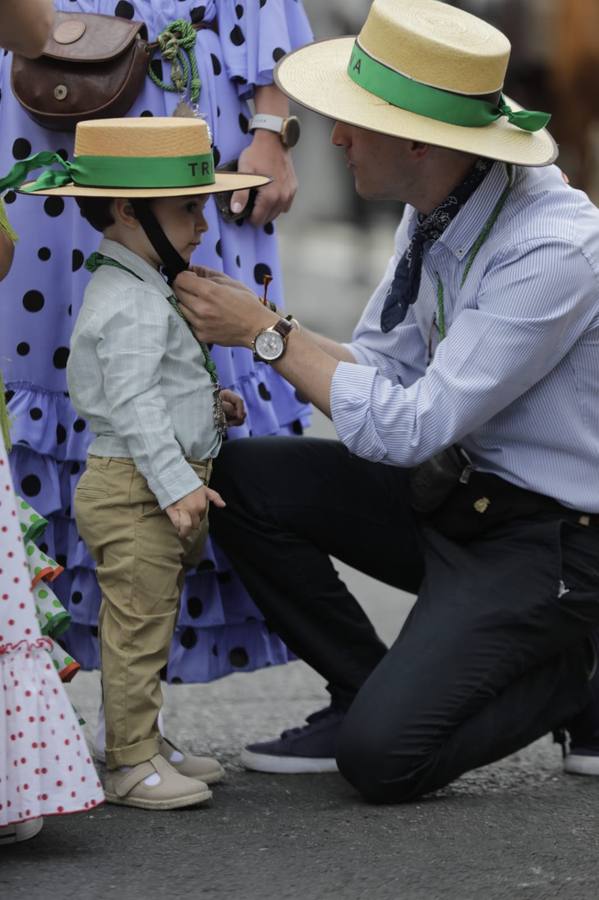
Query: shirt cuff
351	410
178	482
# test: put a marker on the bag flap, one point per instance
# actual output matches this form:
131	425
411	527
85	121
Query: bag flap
88	37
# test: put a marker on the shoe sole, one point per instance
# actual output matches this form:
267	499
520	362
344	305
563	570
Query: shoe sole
581	765
207	779
20	831
140	803
286	765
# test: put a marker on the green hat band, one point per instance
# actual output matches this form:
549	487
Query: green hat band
434	103
113	172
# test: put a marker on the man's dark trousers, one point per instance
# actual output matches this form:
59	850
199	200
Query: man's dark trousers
494	653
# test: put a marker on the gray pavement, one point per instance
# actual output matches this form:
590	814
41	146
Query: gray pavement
517	829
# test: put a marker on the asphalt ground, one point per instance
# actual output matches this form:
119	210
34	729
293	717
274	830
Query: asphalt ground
517	829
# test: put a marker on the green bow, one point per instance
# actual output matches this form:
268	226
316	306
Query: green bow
48	179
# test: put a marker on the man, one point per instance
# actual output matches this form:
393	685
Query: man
466	410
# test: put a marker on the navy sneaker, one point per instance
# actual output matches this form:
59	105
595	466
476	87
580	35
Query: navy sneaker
582	756
309	748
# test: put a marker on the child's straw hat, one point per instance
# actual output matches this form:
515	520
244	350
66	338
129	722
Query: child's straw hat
425	71
134	158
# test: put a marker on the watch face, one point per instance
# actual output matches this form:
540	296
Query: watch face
269	345
291	131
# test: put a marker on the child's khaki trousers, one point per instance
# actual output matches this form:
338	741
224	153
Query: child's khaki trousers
140	561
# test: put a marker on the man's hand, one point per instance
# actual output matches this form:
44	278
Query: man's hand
187	513
219	309
233	406
266	155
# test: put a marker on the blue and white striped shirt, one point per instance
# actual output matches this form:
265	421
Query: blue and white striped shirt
516	379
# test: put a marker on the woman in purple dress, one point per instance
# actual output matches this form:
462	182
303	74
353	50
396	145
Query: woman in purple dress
219	628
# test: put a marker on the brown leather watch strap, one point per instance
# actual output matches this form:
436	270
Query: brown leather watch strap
283	326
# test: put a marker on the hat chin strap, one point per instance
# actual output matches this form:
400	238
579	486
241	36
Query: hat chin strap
172	262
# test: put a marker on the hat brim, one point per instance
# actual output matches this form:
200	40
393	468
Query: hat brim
316	76
224	181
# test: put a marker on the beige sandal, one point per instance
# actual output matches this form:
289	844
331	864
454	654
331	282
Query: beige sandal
203	768
174	791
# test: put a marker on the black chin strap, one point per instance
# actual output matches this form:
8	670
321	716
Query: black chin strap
172	262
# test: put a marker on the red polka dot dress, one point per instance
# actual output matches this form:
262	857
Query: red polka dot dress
45	768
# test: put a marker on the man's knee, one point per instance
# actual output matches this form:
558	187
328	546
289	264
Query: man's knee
379	766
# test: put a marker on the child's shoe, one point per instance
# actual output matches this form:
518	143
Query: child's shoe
204	768
154	784
20	831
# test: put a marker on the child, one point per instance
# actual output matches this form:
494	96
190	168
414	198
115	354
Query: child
149	391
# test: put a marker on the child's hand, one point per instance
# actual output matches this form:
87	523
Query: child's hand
233	406
187	513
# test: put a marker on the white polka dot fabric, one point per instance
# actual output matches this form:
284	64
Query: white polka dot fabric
45	768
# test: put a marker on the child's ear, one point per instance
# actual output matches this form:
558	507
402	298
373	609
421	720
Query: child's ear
123	212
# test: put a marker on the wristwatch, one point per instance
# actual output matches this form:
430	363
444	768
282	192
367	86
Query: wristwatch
288	129
269	344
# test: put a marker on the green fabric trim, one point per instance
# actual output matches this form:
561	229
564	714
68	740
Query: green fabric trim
4	420
434	103
113	172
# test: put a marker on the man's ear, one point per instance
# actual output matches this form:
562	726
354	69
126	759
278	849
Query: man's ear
123	212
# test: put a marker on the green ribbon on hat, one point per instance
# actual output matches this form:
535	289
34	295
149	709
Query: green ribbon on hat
434	103
113	172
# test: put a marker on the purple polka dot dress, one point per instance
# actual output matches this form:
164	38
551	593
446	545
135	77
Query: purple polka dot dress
219	628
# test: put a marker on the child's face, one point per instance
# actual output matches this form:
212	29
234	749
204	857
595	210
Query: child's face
183	222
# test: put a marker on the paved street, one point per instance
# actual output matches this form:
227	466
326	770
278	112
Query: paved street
518	829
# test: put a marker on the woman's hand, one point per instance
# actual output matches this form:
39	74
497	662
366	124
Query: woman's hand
266	155
219	309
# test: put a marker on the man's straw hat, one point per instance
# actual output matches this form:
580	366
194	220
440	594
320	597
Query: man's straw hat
425	71
134	158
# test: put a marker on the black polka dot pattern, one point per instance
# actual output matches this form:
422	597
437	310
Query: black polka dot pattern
244	123
216	64
260	270
61	355
79	425
189	638
206	566
269	228
297	427
278	53
197	13
76	597
61	434
147	113
216	154
53	206
10	197
23	348
33	301
124	9
237	36
21	148
195	607
264	392
219	248
77	260
239	10
44	253
31	485
238	657
35	413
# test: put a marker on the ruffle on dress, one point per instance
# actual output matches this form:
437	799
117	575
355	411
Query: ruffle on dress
46	768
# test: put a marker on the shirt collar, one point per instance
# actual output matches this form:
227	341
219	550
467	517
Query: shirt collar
137	265
463	231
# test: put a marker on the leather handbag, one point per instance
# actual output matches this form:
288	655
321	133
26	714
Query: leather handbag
92	66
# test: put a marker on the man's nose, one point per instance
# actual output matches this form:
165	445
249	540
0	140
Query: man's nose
340	135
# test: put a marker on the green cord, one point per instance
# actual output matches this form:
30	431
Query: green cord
176	44
482	237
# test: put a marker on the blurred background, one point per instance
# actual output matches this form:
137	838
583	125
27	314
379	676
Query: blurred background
335	246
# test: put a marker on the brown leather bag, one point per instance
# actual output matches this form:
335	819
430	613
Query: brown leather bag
93	66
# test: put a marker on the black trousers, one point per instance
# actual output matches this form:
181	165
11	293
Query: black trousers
494	653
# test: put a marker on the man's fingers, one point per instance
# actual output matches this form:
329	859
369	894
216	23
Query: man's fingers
185	523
